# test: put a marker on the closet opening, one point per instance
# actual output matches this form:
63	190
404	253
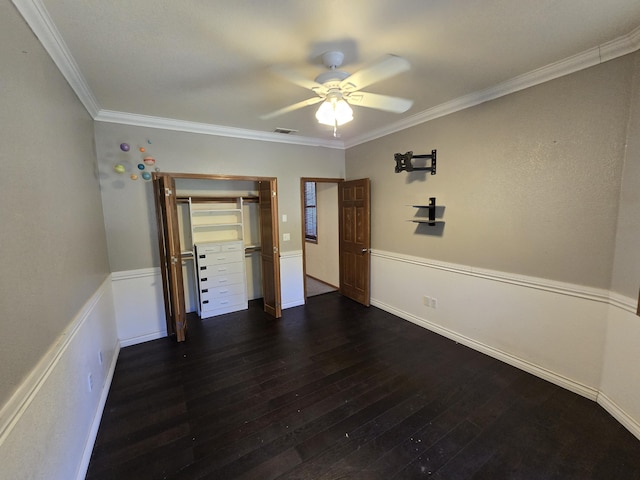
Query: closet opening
218	241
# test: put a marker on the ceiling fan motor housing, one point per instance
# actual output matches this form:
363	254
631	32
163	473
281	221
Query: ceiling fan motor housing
332	60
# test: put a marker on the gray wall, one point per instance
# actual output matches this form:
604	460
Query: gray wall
52	234
530	182
626	273
128	205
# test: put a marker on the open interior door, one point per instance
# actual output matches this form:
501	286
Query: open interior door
354	207
270	250
170	259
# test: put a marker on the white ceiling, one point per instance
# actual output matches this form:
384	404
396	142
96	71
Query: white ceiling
208	62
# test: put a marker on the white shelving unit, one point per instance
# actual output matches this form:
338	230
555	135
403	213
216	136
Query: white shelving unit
219	223
213	235
222	284
216	221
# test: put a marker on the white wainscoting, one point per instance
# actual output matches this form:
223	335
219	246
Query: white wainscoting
48	427
577	337
291	279
620	384
139	302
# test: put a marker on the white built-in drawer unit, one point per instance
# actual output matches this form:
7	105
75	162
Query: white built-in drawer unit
222	286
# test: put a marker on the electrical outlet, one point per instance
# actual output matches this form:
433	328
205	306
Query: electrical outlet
434	303
90	382
426	301
286	237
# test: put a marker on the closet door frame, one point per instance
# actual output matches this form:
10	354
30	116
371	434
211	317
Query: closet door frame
269	227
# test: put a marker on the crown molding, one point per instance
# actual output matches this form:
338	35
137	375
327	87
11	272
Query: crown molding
38	19
134	119
608	51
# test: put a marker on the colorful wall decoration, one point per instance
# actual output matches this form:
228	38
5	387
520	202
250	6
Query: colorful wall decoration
146	163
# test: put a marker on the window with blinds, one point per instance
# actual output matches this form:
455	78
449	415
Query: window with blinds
310	213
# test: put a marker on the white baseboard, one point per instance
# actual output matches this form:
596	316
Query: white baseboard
619	414
555	378
95	425
127	342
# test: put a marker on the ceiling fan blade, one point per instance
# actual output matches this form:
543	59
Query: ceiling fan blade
298	79
379	102
388	66
290	108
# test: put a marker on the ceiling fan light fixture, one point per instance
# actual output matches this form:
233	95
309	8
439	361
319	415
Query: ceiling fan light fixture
334	112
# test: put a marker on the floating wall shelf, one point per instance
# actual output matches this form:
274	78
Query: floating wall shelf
431	220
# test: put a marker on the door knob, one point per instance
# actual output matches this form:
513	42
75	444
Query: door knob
364	250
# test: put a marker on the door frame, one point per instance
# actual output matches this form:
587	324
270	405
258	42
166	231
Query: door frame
304	180
273	220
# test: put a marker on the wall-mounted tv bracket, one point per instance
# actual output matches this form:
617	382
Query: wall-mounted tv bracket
403	162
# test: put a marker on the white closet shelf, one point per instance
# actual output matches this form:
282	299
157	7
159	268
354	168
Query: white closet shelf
216	225
217	210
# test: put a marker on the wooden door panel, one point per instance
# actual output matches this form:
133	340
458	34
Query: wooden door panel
158	188
170	257
270	251
355	237
361	217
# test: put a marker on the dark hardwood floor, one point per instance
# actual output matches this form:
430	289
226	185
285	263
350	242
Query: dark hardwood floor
334	390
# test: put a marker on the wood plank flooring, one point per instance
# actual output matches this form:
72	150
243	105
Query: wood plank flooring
334	390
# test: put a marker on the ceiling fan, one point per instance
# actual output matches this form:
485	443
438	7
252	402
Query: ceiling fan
338	89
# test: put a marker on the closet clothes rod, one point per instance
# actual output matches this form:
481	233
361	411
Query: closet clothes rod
245	199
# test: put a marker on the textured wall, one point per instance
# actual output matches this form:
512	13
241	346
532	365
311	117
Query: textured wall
128	205
626	274
530	181
52	234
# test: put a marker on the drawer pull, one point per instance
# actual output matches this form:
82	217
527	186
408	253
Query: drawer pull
203	268
222	292
205	290
206	301
224	302
223	280
204	279
222	258
222	269
202	256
